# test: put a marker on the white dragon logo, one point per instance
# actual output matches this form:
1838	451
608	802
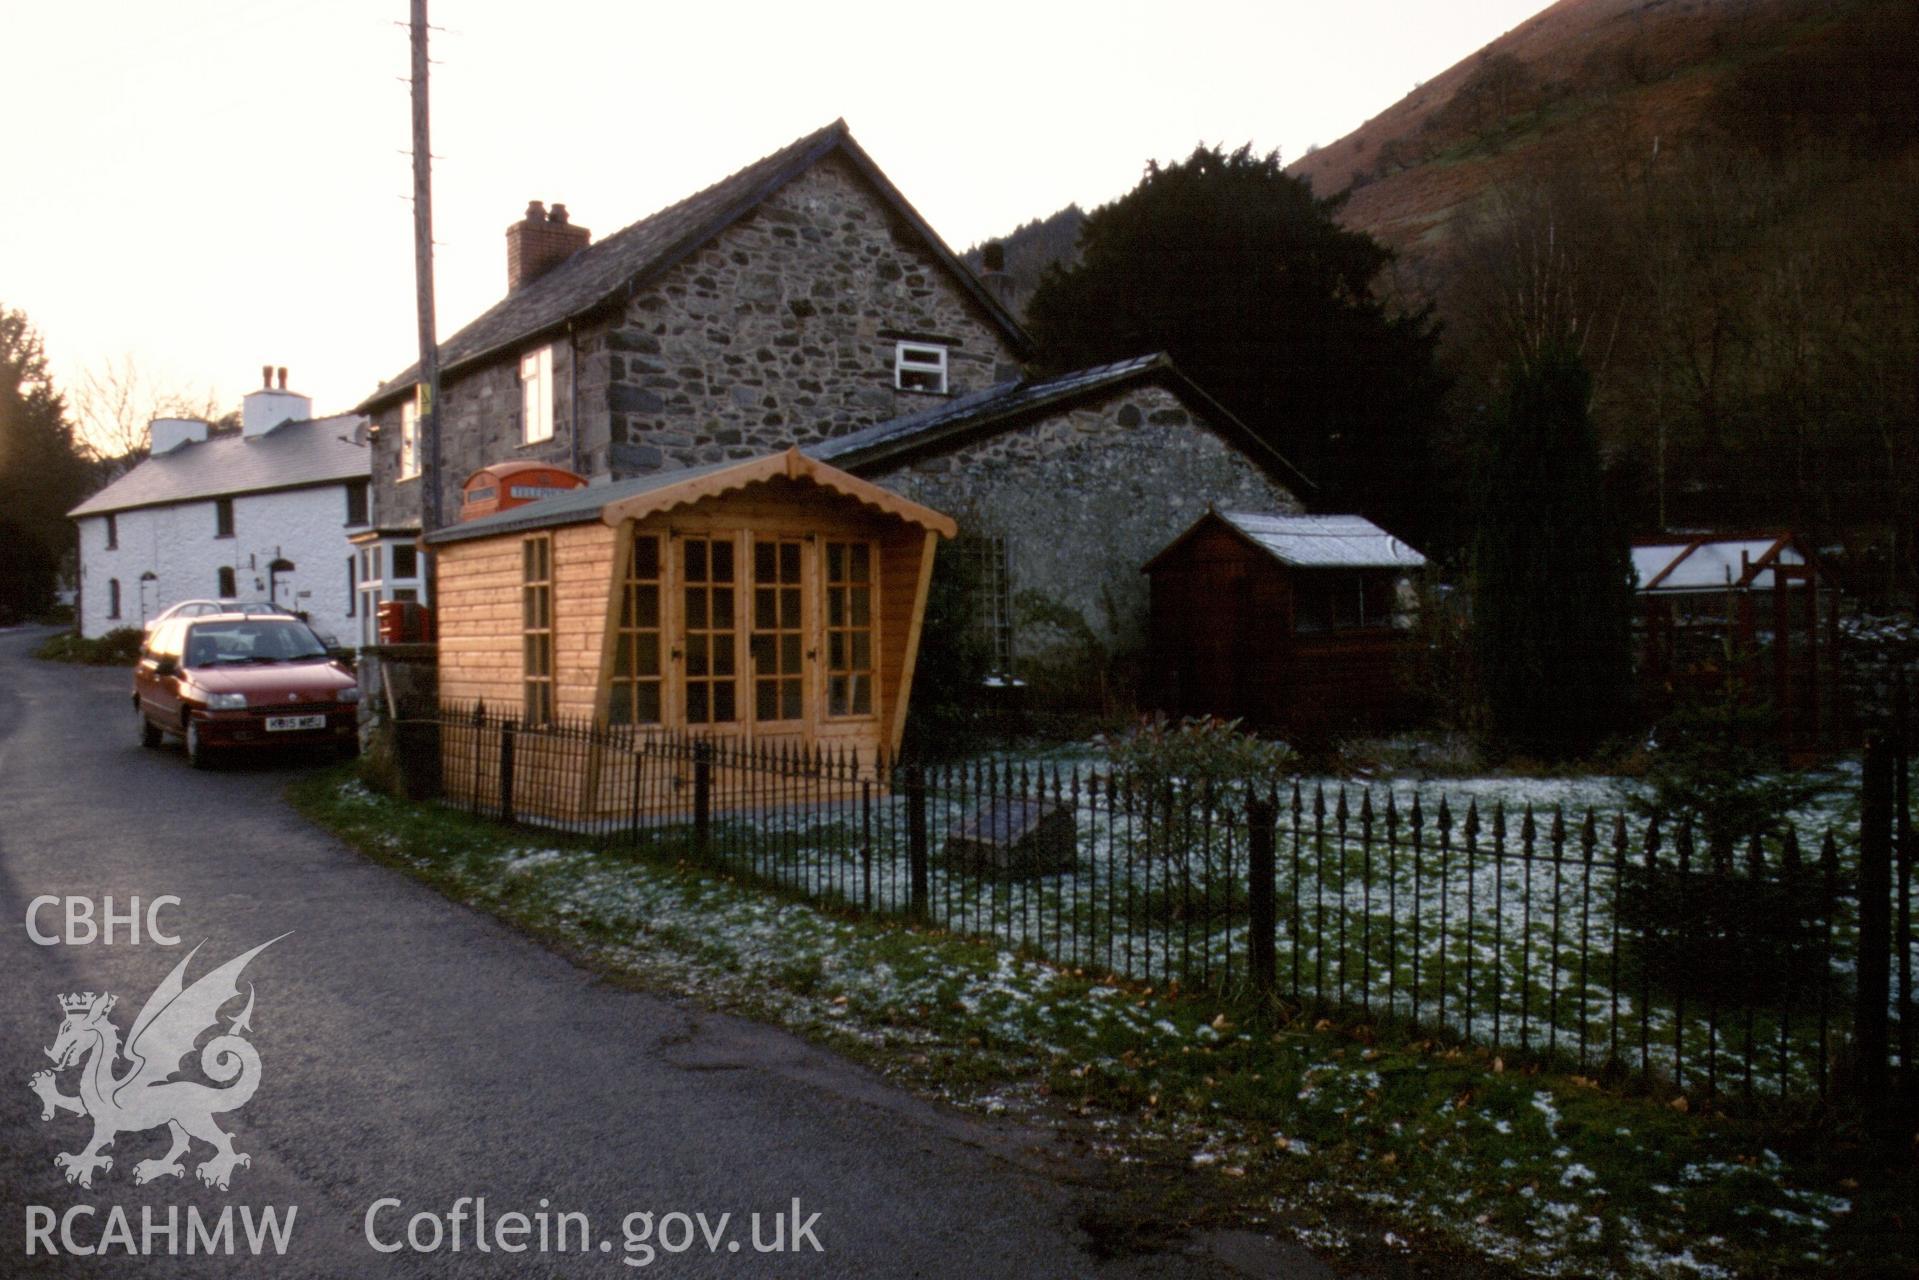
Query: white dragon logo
146	1096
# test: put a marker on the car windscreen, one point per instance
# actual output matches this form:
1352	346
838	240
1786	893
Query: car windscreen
254	640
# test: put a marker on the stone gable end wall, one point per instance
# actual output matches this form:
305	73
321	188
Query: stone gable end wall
775	333
1084	498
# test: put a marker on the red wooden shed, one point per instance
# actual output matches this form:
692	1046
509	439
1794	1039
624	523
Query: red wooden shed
1283	621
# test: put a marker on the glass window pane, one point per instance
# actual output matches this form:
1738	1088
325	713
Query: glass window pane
789	562
695	560
696	655
646	703
763	559
646	654
646	557
789	607
696	607
836	607
766	699
763	655
862	651
836	650
723	653
620	710
622	659
723	709
722	562
862	562
835	562
836	696
765	617
723	608
789	654
862	607
696	704
789	699
862	695
646	606
626	608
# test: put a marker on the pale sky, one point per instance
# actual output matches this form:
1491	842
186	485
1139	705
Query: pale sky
214	185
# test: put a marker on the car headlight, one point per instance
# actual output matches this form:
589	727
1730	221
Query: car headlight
350	694
226	702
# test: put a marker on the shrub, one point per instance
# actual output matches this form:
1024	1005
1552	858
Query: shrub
117	648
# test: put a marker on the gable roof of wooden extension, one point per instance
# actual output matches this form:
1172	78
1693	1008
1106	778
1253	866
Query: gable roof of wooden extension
606	275
649	495
1305	542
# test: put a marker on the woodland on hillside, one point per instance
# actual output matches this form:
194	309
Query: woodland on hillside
1719	202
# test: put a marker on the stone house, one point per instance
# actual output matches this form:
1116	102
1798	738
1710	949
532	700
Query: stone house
802	301
264	513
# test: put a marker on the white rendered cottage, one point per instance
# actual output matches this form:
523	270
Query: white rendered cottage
261	514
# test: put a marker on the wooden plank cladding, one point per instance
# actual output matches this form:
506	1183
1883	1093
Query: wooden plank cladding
770	606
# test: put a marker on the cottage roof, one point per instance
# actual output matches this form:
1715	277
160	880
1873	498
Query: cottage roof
293	455
611	271
1713	562
1007	404
647	495
1311	542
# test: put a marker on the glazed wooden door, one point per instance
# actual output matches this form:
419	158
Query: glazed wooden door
782	651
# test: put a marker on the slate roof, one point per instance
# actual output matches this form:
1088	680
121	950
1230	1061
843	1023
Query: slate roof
1324	542
612	270
574	506
580	506
1007	403
292	455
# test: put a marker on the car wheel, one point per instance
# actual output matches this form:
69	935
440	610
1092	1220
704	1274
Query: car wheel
150	734
199	755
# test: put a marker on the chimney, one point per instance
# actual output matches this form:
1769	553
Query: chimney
539	242
993	274
164	435
270	406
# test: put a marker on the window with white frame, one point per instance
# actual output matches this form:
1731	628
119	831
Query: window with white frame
536	395
409	439
919	366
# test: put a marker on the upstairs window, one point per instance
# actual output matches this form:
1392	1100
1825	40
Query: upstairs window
113	532
356	509
536	395
409	438
113	597
919	366
223	517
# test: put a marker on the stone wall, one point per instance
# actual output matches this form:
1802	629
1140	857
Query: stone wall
1084	498
782	331
779	332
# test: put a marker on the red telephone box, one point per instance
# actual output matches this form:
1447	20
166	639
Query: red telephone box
513	484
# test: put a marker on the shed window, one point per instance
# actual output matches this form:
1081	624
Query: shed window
778	633
536	395
636	653
410	438
113	532
223	517
849	629
919	366
1342	601
536	595
226	589
707	585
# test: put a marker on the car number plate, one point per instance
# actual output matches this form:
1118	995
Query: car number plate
276	724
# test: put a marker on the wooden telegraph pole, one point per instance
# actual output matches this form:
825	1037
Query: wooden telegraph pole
429	409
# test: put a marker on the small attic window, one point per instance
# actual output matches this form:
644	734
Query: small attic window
920	366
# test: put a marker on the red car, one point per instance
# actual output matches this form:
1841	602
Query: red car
238	681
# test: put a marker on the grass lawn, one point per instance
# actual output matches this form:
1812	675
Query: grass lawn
1349	1138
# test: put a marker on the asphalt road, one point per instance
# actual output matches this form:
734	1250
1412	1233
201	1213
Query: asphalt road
415	1050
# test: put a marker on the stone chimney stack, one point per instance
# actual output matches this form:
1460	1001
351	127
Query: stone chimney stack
993	274
539	242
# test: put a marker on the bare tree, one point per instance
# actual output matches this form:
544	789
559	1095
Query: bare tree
115	403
